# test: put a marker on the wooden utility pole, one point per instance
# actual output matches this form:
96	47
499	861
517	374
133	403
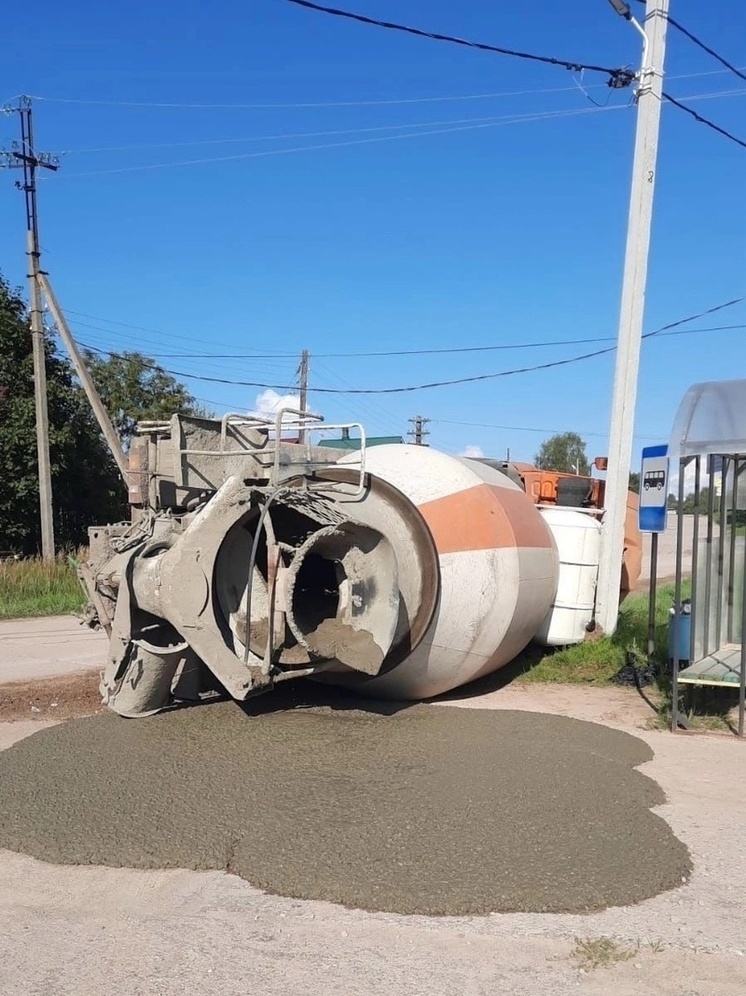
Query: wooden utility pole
649	98
24	155
419	431
303	377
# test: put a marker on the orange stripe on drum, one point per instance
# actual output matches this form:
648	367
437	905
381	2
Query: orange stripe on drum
485	517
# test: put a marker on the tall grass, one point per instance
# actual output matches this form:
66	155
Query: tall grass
595	662
36	587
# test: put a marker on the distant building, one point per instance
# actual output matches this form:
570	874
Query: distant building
347	442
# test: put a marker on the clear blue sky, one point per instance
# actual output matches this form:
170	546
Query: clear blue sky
504	234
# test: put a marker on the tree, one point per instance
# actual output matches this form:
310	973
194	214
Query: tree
634	483
135	388
86	485
704	499
565	453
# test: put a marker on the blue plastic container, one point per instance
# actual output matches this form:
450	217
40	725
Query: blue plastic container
685	633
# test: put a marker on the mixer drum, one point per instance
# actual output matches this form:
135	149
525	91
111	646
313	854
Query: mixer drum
498	567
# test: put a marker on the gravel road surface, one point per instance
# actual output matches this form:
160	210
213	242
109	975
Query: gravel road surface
40	648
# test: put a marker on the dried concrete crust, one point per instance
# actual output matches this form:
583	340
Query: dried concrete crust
425	810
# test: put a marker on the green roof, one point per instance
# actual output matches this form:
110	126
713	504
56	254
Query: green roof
354	444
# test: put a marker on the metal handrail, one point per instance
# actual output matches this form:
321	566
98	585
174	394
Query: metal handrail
230	418
302	423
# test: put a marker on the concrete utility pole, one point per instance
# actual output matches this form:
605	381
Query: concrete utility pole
303	376
649	97
419	432
94	399
24	155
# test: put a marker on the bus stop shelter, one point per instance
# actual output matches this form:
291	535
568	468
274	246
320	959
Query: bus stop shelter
708	443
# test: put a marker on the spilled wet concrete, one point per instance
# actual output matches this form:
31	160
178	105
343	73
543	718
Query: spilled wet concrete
433	810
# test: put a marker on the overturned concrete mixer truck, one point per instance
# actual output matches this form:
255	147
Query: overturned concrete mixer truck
396	570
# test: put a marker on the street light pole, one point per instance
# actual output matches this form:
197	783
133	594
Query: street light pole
649	98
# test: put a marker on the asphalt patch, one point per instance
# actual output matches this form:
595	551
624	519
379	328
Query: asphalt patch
430	809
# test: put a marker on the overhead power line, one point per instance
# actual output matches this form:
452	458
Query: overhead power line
432	351
706	48
491	119
443	383
282	136
318	104
510	119
482	123
723	61
520	428
278	354
704	121
618	77
375	390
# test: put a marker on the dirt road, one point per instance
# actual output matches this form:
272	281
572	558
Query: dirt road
41	648
667	550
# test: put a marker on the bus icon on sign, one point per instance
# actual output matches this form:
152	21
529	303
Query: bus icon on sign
654	479
653	489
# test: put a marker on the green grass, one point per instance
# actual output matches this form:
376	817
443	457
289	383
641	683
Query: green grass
590	953
596	661
710	709
35	587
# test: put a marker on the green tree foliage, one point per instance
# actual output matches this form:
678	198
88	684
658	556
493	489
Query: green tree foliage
565	453
704	500
634	483
134	388
85	483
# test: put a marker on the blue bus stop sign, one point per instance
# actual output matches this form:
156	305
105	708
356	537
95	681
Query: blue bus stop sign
653	489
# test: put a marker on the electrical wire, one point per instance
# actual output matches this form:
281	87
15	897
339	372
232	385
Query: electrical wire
167	335
220	404
142	344
436	351
362	406
387	390
312	104
618	77
705	48
553	364
510	119
501	121
728	65
166	105
518	428
704	121
254	367
289	355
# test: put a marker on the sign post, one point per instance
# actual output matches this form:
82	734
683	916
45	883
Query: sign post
652	519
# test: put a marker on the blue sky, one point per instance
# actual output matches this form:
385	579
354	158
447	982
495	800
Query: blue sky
502	234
